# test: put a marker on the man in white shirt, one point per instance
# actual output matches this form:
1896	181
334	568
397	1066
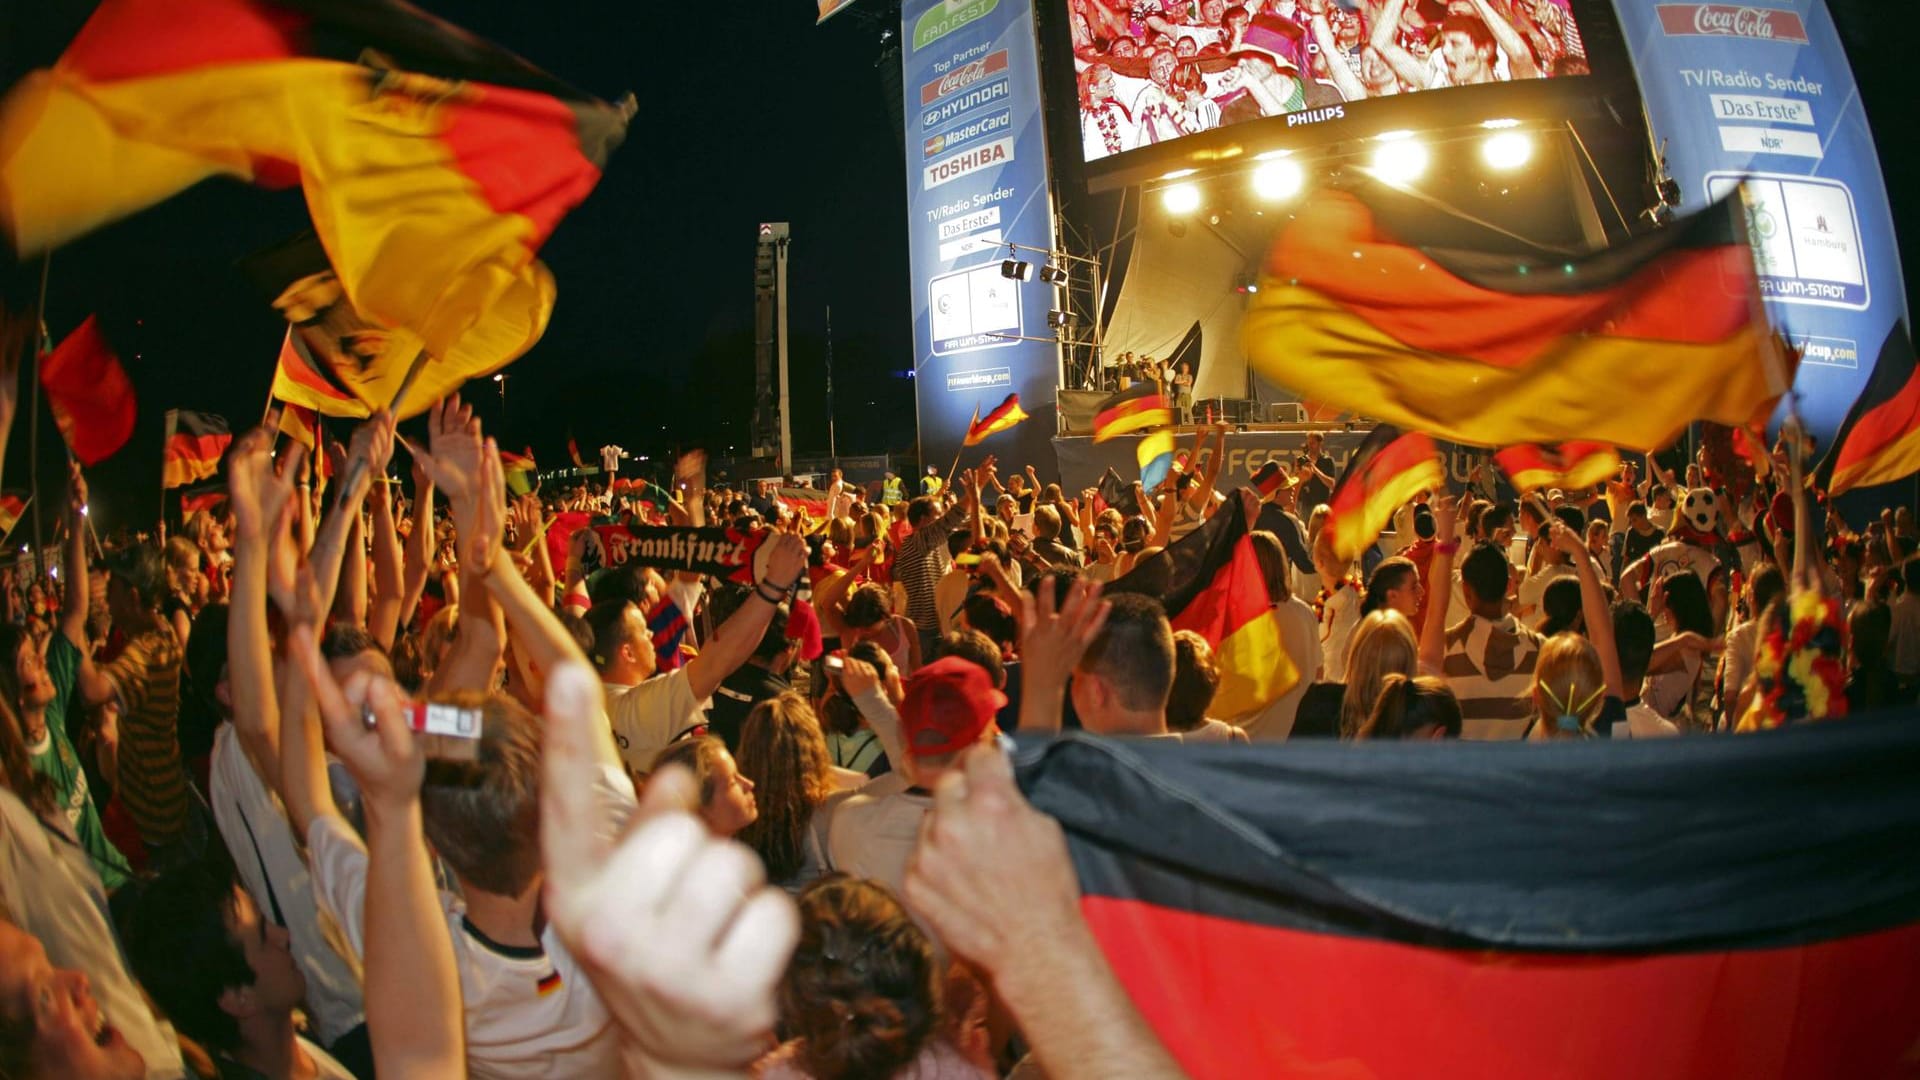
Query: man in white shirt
1553	567
647	712
226	975
1487	659
949	706
62	1030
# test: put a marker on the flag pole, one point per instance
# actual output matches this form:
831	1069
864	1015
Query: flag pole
33	425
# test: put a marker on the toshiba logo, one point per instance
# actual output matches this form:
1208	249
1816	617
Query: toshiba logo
1732	20
962	77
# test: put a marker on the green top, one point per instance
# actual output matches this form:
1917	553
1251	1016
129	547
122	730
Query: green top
54	758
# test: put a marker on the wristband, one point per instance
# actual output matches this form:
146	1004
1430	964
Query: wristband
1449	548
779	594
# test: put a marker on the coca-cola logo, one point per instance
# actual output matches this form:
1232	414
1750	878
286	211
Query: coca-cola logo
962	77
1733	20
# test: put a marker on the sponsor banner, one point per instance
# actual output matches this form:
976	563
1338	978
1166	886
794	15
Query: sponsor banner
977	196
1761	95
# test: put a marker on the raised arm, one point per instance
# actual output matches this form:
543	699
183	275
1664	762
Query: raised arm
1433	633
418	565
383	608
1593	605
455	463
1520	62
1051	645
1343	77
262	511
740	635
1386	42
73	602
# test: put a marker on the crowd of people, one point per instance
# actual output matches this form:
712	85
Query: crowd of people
356	780
1151	71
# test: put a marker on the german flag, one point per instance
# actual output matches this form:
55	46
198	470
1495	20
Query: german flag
1210	582
433	170
521	471
1442	887
195	443
89	392
12	506
1155	455
1004	415
1566	465
1271	478
1388	469
573	451
1497	350
300	379
1879	442
1115	493
302	425
1133	409
208	499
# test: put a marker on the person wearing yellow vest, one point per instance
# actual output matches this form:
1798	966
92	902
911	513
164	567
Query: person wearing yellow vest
931	483
893	492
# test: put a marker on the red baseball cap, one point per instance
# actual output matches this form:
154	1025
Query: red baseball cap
949	703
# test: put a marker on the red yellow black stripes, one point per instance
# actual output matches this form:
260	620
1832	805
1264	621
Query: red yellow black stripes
1004	415
1133	409
1563	465
1490	350
1880	440
1388	469
195	443
12	505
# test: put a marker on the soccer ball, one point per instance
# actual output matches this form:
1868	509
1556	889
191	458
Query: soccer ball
1701	510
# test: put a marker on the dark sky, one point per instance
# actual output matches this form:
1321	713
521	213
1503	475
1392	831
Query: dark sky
747	113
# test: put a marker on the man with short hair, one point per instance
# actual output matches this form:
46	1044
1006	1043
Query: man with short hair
1488	658
226	976
1121	683
1316	472
1633	635
1047	538
917	565
51	1025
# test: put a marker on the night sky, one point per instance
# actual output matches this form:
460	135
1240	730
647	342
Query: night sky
747	113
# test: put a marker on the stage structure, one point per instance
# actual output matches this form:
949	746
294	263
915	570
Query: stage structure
772	422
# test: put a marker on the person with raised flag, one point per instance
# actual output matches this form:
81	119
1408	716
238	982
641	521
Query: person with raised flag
1566	465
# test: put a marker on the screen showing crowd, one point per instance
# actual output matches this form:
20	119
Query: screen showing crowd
1152	71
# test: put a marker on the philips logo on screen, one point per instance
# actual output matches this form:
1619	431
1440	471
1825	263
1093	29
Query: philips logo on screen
1732	20
984	379
967	132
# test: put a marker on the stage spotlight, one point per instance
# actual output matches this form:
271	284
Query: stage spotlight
1400	160
1016	270
1279	179
1181	198
1506	150
1057	319
1053	275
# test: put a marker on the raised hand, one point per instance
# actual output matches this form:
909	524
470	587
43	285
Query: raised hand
1053	641
387	760
76	492
480	541
682	938
373	443
260	492
1446	518
786	560
452	457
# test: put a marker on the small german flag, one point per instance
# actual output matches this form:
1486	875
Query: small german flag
208	499
548	984
195	443
1004	415
1390	468
1880	440
1210	582
1567	465
1485	348
299	379
89	392
301	424
12	505
573	451
1155	454
1116	493
1132	409
1271	478
521	471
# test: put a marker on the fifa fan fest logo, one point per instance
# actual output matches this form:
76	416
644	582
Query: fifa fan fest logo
1728	20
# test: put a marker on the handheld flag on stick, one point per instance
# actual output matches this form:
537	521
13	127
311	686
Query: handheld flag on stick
12	505
1133	409
1880	440
299	379
1564	465
1271	478
1155	454
521	471
1388	469
302	425
1210	582
573	451
208	499
1004	415
1116	493
90	394
195	443
1488	348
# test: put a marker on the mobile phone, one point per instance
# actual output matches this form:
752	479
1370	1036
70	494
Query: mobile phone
835	663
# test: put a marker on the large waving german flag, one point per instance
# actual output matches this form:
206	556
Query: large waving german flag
1625	346
1389	469
1564	465
195	443
1004	415
1389	909
1879	442
1134	409
433	172
1210	582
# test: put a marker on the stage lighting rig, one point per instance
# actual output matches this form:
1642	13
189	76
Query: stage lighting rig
1016	270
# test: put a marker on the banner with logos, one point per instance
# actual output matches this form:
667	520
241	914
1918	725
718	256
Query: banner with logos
1762	92
1083	461
977	182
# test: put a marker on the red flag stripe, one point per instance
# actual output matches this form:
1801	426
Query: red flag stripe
1893	421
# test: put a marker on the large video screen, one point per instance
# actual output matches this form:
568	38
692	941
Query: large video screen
1156	71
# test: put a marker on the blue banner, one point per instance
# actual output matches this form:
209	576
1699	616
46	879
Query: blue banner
977	182
1762	92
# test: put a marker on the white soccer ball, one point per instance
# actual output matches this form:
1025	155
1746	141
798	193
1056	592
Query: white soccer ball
1701	510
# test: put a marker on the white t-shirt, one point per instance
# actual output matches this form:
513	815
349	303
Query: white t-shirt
1338	616
274	873
873	836
49	887
529	1012
610	456
1300	637
647	717
1534	588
